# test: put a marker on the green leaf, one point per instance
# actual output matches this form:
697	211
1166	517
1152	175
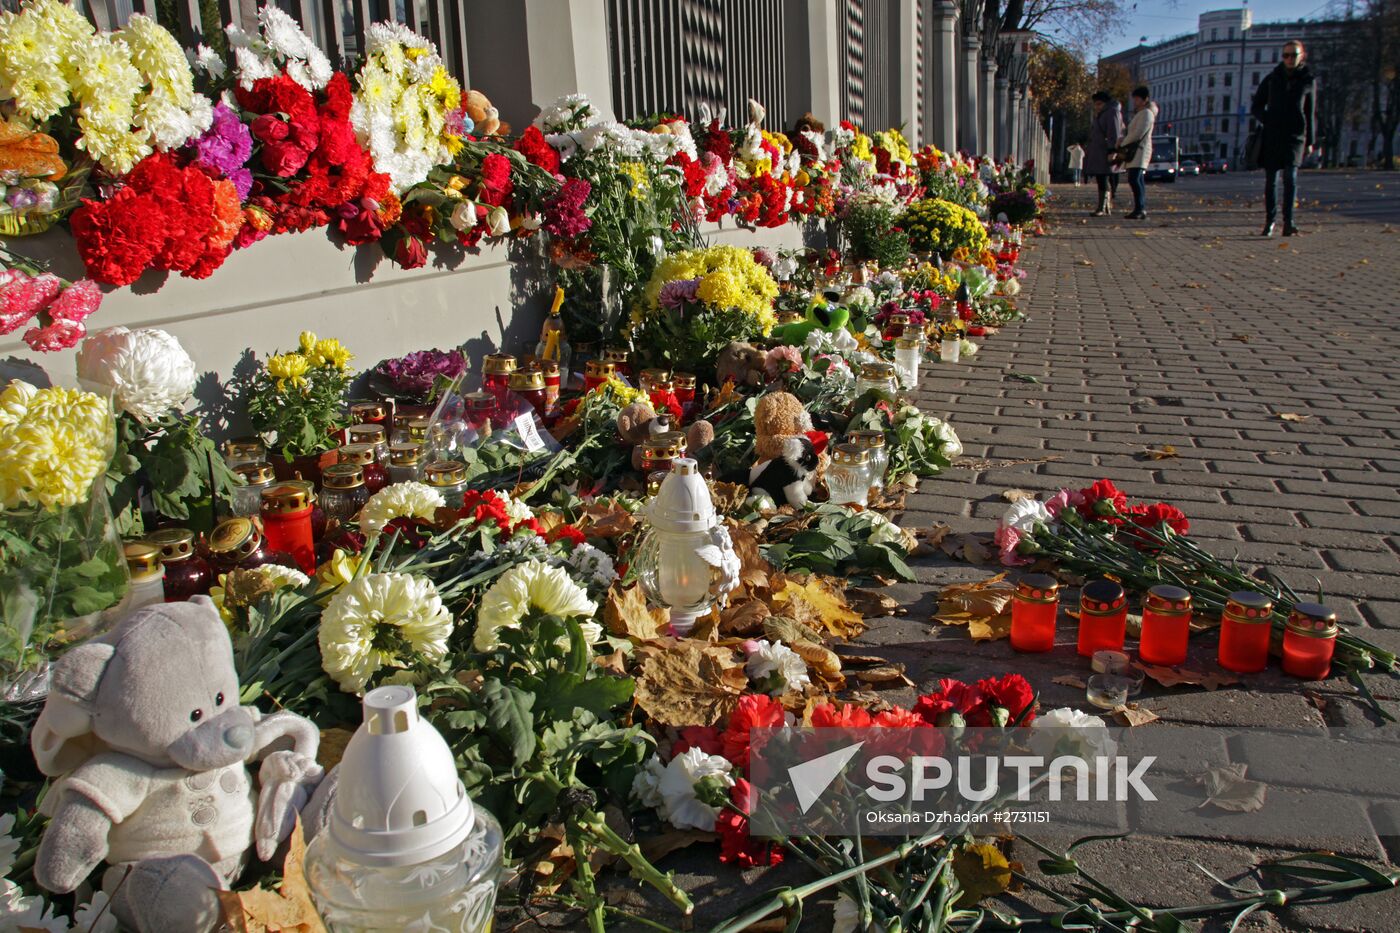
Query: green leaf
508	715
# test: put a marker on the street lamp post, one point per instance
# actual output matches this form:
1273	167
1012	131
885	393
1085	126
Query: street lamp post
1242	110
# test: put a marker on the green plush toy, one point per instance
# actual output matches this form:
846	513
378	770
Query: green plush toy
820	316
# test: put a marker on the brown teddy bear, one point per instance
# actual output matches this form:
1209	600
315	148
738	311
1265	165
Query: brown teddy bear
487	118
741	363
789	456
639	421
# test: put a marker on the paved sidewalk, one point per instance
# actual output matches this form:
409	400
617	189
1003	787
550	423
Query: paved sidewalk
1189	329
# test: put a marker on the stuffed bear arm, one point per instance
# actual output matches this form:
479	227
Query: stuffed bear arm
74	844
283	731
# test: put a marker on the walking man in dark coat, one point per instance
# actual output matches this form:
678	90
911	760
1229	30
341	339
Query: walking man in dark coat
1104	130
1284	104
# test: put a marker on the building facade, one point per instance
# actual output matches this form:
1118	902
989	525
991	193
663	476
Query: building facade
1205	81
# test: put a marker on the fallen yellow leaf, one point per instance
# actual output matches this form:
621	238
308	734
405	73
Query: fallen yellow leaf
627	615
814	602
264	911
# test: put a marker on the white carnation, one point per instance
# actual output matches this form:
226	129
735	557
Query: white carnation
952	445
677	787
1025	514
401	500
146	370
646	783
777	666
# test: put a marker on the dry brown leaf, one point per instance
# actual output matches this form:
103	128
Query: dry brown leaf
823	665
984	607
690	684
873	605
1242	338
1016	495
1134	715
728	497
1227	788
1293	416
603	519
264	911
742	618
660	845
885	675
1070	680
753	569
1173	676
615	662
332	747
971	548
1165	452
814	602
627	615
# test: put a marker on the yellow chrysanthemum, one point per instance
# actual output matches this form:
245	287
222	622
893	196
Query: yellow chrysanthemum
730	279
393	620
288	368
338	570
636	173
244	587
56	442
330	352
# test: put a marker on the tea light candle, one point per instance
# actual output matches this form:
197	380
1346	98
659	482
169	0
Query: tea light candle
1110	662
1107	691
1309	640
1245	627
1103	617
1033	611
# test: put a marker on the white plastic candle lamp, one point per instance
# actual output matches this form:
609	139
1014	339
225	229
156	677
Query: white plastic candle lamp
685	559
404	848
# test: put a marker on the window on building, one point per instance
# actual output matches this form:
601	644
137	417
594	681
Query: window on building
1258	53
1225	104
1229	79
1231	32
1210	81
1225	124
1230	57
1274	58
1213	34
1212	58
1256	79
1210	105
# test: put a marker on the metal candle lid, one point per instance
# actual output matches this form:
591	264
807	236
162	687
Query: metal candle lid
358	454
1312	620
245	448
445	473
405	454
877	370
1167	600
869	440
479	401
234	538
615	355
656	375
1038	588
684	380
286	498
255	474
851	454
365	434
174	543
1102	597
530	380
418	429
142	560
362	412
907	343
343	476
662	447
498	364
1249	608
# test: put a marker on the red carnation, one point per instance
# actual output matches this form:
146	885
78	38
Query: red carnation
737	846
952	696
755	711
844	716
898	718
705	738
533	146
1160	513
1011	692
1103	500
570	533
496	185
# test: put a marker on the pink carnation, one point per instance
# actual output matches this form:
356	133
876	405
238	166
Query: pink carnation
1007	538
1057	503
77	302
60	335
781	361
23	296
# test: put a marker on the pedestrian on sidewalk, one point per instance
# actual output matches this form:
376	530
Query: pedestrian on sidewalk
1135	149
1076	162
1284	106
1104	130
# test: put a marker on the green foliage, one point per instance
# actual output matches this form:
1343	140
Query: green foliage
691	340
871	235
839	542
917	443
173	459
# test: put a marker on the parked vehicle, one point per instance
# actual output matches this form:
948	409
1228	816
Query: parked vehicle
1217	166
1163	166
1189	167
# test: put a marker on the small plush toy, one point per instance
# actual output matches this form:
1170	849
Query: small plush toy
788	453
741	363
826	316
634	425
149	748
487	118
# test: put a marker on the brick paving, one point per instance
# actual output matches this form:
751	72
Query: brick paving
1191	330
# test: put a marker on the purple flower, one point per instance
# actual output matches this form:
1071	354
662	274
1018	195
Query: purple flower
415	373
563	213
225	147
676	296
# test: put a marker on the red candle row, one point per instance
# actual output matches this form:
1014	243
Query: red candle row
1245	626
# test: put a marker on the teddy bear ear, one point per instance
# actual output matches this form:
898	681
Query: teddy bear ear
62	733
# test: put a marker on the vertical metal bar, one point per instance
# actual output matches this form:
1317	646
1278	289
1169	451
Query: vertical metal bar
333	32
362	14
457	21
191	22
413	17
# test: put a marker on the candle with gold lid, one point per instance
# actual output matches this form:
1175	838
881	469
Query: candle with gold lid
1103	617
1166	625
848	475
405	462
366	457
186	573
286	518
1033	610
449	478
1309	640
597	372
241	450
1245	628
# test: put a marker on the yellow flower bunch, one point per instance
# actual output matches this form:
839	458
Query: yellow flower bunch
624	394
861	148
636	173
939	226
928	277
729	279
56	442
288	368
894	143
325	353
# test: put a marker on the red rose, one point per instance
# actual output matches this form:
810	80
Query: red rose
410	252
269	128
755	711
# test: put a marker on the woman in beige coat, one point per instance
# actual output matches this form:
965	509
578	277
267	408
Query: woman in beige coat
1135	148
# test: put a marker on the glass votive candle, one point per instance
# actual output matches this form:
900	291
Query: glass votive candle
369	412
873	443
1033	611
186	573
876	375
449	478
373	435
1245	627
649	379
343	491
1103	617
950	349
287	523
241	450
597	372
1110	662
659	452
620	360
1107	691
906	361
366	458
405	462
495	372
1309	639
478	407
848	475
529	385
247	499
654	481
552	383
684	387
894	326
1166	625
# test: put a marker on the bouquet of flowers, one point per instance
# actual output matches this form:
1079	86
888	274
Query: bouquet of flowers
698	301
918	443
58	307
942	227
1017	207
417	377
298	396
60	557
870	226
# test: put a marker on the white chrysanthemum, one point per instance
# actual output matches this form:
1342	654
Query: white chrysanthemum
570	112
776	667
208	61
1025	514
532	585
1011	287
966	348
646	783
250	65
9	846
401	500
393	620
679	802
516	510
95	916
595	565
282	34
146	370
18	912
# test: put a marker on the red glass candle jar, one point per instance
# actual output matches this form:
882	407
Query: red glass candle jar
495	372
552	385
529	385
236	543
1166	625
659	452
186	573
651	378
286	517
1033	611
1309	639
620	360
479	408
1103	617
365	457
370	413
894	326
1245	627
683	384
597	372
